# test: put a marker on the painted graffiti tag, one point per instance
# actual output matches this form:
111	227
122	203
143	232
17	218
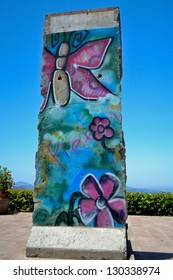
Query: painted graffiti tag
74	144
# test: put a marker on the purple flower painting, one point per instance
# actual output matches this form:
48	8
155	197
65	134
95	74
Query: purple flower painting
100	203
100	127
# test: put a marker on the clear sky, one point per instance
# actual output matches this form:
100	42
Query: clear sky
147	84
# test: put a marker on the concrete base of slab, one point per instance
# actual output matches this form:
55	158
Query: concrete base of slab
77	243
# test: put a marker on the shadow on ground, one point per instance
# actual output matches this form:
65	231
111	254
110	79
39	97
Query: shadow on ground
152	255
140	255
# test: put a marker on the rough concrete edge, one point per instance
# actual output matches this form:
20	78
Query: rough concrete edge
86	22
116	9
33	250
74	254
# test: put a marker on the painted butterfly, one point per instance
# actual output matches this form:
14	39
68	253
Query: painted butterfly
73	72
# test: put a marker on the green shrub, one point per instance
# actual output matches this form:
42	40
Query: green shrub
158	204
21	200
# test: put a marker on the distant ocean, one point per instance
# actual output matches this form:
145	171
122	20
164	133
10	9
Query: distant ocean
150	189
27	186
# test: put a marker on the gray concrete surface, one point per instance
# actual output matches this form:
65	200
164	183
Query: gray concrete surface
149	238
77	243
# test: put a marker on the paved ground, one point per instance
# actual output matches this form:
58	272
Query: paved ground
149	238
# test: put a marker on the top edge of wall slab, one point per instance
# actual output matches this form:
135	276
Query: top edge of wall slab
80	20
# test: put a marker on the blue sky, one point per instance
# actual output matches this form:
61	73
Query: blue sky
147	85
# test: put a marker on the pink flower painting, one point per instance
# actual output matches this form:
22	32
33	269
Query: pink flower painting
100	203
101	129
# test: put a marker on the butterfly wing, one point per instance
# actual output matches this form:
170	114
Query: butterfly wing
48	67
82	81
45	100
91	54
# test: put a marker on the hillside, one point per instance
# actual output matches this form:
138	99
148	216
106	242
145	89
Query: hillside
23	186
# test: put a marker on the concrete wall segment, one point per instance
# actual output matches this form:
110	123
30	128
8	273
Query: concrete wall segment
64	22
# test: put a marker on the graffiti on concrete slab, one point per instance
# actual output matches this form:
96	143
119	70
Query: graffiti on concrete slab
80	165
